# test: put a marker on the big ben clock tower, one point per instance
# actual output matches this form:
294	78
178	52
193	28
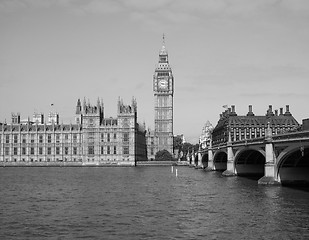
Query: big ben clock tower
163	88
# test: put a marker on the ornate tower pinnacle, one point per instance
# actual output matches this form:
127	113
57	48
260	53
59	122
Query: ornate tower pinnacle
163	51
163	40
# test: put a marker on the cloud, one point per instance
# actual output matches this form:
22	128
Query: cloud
165	12
176	6
296	6
96	7
273	95
139	86
149	6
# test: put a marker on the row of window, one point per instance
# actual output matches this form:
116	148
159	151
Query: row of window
32	137
163	127
59	160
163	74
258	131
163	114
42	160
109	150
91	137
241	135
65	150
163	101
31	151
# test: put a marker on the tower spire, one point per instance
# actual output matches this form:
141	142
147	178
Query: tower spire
163	40
163	50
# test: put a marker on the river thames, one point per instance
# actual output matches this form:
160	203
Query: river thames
145	203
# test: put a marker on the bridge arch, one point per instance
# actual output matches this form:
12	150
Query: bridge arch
250	161
220	160
293	165
205	160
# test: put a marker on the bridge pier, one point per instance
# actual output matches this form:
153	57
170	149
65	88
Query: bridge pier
194	164
230	166
270	176
199	161
210	166
188	159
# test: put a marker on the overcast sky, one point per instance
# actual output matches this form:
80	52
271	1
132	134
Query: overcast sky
234	52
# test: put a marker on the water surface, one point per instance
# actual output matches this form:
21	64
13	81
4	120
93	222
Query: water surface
145	203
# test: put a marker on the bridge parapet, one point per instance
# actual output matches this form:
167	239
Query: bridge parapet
303	135
291	136
251	141
218	146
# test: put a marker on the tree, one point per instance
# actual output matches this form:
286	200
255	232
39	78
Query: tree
196	147
177	146
185	148
163	155
177	142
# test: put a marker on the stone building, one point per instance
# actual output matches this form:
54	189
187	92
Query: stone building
250	125
92	139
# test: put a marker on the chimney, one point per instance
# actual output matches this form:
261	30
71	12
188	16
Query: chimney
281	111
270	111
233	113
276	112
287	112
233	108
305	125
250	113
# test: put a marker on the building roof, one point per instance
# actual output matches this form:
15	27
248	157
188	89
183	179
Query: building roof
230	118
262	120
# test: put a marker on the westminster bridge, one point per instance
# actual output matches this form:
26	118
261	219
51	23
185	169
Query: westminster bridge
274	159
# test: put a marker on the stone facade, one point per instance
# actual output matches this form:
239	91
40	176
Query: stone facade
93	139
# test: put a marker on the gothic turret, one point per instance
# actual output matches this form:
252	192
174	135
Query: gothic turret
78	116
78	107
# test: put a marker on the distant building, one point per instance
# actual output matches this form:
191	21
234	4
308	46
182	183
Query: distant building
15	118
251	126
92	139
38	118
163	87
305	125
205	137
53	118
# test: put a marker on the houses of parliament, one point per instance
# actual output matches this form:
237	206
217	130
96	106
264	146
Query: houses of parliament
94	139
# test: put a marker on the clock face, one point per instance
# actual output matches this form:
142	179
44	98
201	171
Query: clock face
163	84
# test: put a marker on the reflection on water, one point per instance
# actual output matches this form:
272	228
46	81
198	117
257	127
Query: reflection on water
146	203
